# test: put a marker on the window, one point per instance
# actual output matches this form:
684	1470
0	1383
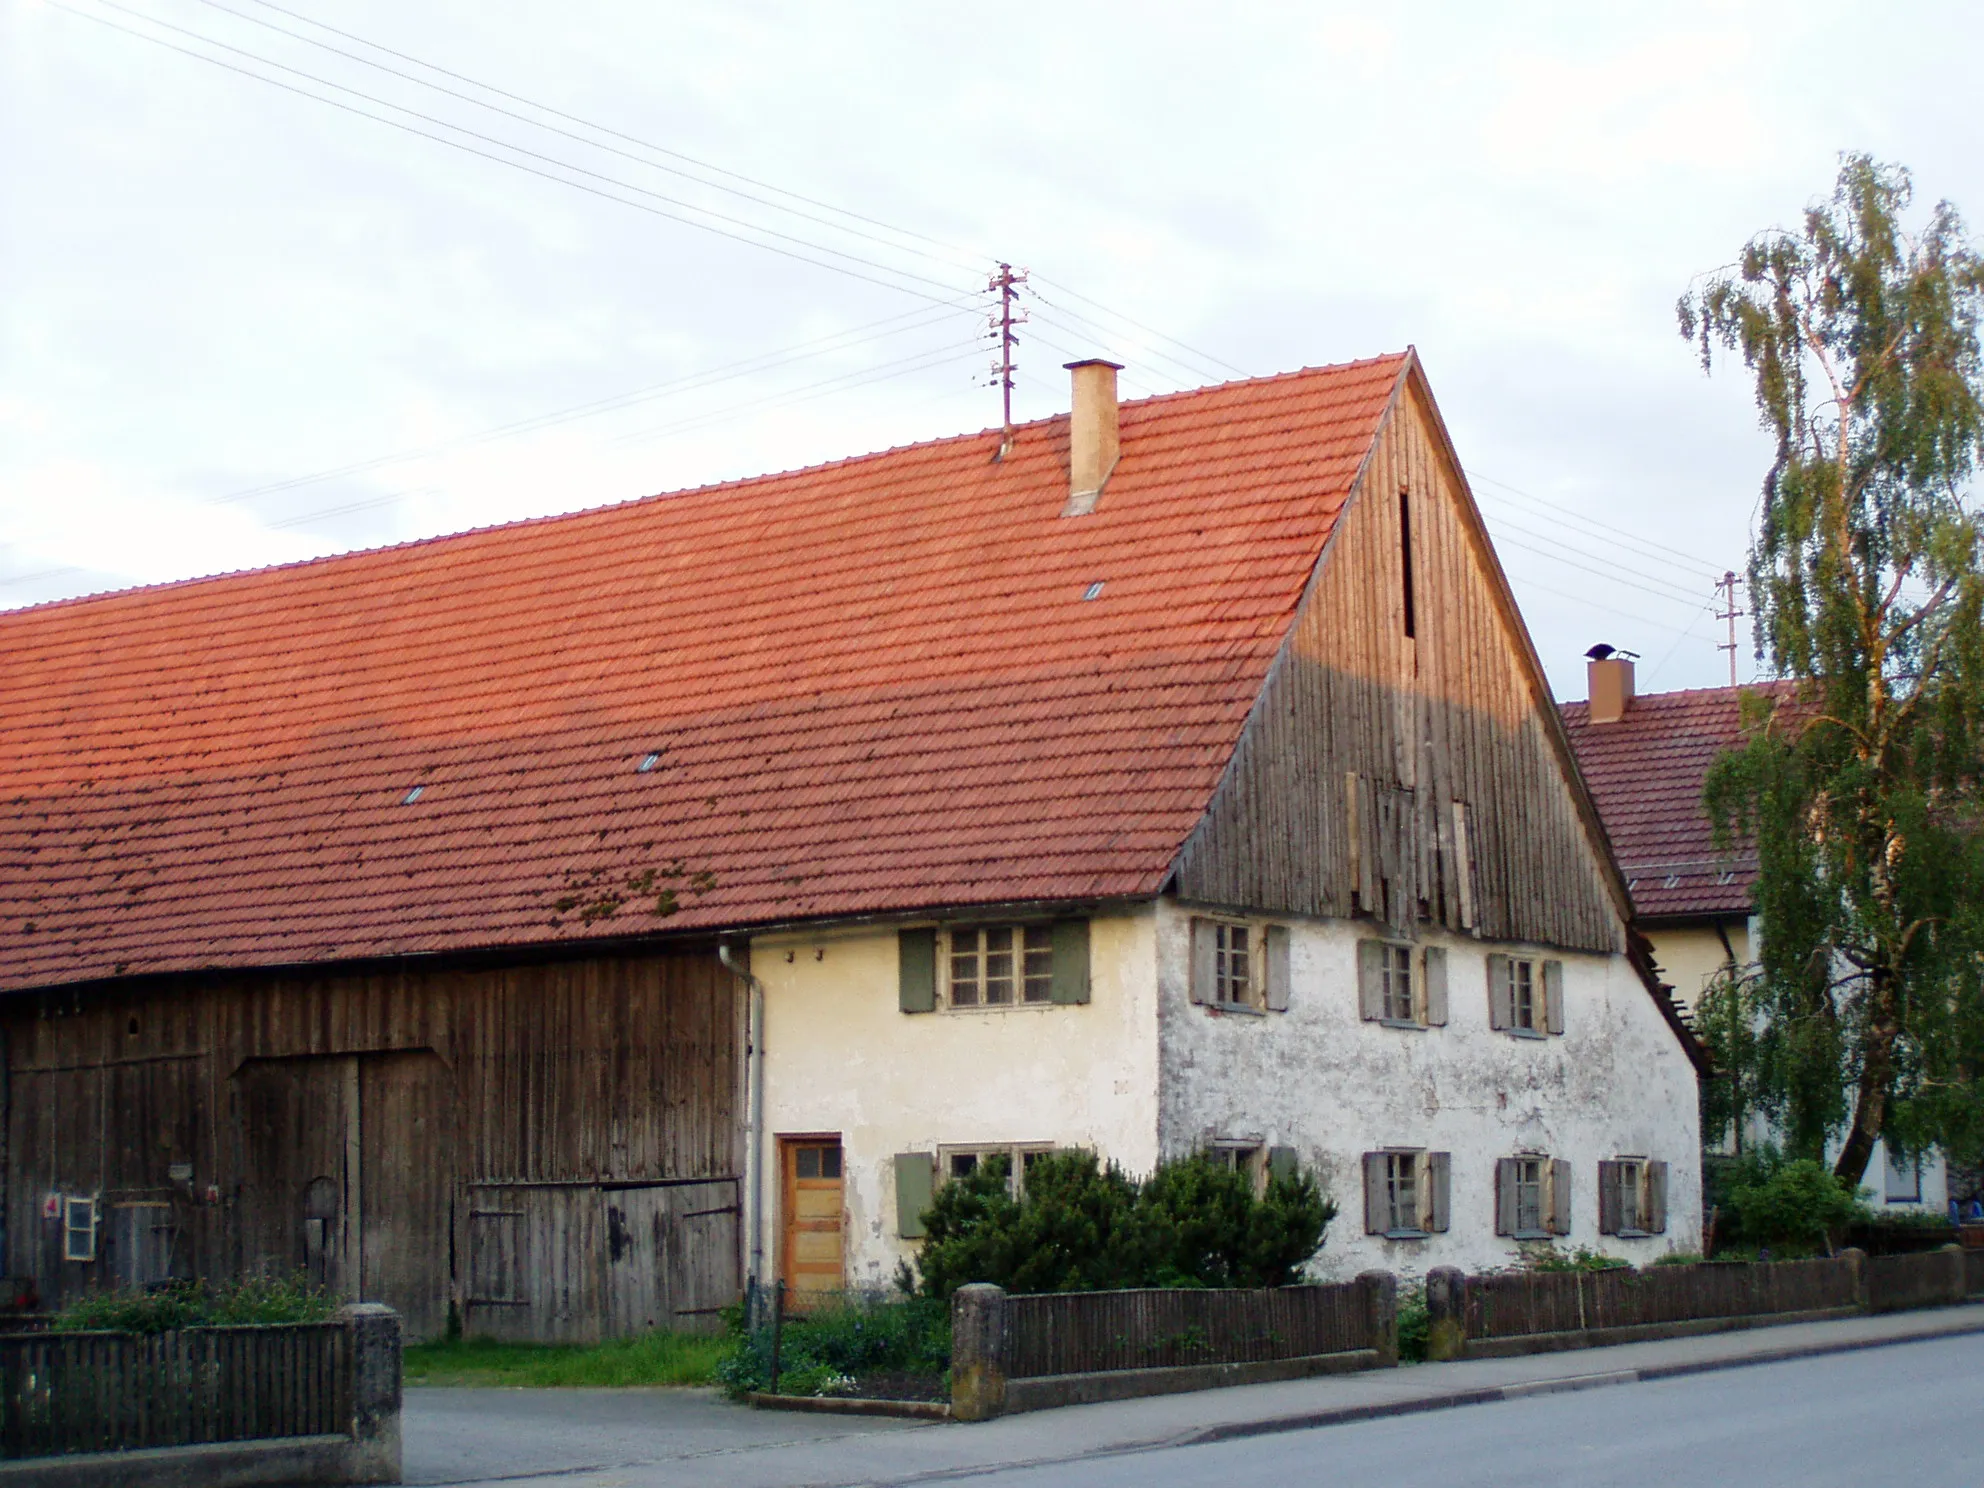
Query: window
1525	997
821	1160
78	1229
1405	1193
1239	964
1402	985
1532	1196
1632	1197
1904	1177
992	966
998	965
1405	564
959	1162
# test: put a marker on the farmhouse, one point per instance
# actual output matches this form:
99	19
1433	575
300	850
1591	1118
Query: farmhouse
548	927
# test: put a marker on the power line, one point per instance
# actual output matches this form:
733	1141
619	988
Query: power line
1692	561
551	128
739	237
1139	325
1673	590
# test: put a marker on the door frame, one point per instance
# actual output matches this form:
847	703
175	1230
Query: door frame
788	1179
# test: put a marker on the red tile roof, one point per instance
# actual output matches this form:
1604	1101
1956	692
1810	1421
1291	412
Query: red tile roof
873	686
1645	772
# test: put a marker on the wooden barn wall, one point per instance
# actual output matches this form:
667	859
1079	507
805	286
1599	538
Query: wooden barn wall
1340	797
553	1148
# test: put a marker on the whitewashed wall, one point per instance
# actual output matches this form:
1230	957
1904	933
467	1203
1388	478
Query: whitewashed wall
840	1056
1320	1079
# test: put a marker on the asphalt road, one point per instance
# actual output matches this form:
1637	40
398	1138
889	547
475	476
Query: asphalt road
1906	1415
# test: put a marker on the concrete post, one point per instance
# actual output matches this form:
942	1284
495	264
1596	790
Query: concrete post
1856	1258
1956	1283
1446	1314
1381	1296
375	1393
979	1352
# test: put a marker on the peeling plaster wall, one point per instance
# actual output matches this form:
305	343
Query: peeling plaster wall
1320	1079
840	1056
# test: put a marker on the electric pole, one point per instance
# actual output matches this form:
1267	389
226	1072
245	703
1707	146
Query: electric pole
1725	588
1006	318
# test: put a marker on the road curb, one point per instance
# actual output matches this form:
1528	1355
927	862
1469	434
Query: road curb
1488	1395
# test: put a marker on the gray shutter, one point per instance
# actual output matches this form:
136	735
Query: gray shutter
1560	1196
1439	1184
1371	978
1436	986
1282	1163
916	978
1553	996
1500	1014
1203	952
1070	961
1278	969
1505	1195
1656	1198
1377	1208
1608	1198
916	1179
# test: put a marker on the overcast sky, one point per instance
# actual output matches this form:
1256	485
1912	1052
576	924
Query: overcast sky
240	326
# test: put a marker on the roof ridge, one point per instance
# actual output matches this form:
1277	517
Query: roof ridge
706	488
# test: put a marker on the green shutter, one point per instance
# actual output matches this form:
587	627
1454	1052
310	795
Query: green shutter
1071	960
1560	1196
916	1178
916	982
1501	1010
1656	1199
1371	979
1280	970
1553	996
1435	982
1439	1188
1282	1164
1505	1196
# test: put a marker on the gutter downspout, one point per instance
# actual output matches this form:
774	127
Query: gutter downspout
754	1140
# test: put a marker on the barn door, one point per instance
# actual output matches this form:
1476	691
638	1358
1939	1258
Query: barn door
406	1140
812	1254
298	1125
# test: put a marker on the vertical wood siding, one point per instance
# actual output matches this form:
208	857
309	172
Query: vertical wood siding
594	1101
1340	797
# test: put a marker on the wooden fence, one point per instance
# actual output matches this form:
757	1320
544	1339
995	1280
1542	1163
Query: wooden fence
1520	1304
1973	1275
1091	1332
333	1387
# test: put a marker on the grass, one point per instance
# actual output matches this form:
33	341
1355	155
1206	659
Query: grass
658	1358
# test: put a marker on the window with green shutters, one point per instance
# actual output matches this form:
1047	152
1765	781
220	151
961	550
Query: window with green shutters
1525	996
975	967
1632	1197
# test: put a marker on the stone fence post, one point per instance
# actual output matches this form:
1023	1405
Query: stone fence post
980	1351
1856	1260
1381	1297
375	1393
1446	1314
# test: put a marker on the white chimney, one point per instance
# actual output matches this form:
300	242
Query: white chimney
1092	437
1609	676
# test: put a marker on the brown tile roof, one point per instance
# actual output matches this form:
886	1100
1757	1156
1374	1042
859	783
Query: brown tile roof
872	686
1645	772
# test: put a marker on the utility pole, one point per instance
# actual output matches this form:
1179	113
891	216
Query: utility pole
1725	588
1005	283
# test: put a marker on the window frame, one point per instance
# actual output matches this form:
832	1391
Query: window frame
1514	980
1019	977
1268	956
1248	1158
1631	1173
1392	953
1016	1154
1532	1173
1427	1174
1888	1172
72	1204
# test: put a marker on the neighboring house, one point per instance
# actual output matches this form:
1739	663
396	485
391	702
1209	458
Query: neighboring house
1646	759
1182	780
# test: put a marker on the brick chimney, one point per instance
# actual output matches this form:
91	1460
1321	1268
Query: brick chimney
1092	442
1609	675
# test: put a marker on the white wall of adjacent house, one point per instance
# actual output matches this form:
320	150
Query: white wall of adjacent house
1322	1078
1691	958
843	1060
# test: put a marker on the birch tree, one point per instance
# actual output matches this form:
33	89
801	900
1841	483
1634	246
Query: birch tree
1860	776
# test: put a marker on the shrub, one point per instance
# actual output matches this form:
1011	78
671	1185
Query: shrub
1412	1322
823	1352
1582	1258
1082	1225
199	1304
1793	1204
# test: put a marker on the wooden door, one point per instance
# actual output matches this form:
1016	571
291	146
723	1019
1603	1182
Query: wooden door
406	1145
298	1125
812	1247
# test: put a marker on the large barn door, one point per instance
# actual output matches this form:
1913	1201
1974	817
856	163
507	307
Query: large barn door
407	1161
299	1135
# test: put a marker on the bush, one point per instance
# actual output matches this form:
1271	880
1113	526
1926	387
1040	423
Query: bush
199	1304
1082	1225
1413	1322
1582	1258
1791	1205
825	1352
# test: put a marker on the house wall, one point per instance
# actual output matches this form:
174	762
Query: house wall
1322	1080
1455	712
842	1058
550	1148
1692	956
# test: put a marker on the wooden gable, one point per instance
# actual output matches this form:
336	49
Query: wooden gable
1404	759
